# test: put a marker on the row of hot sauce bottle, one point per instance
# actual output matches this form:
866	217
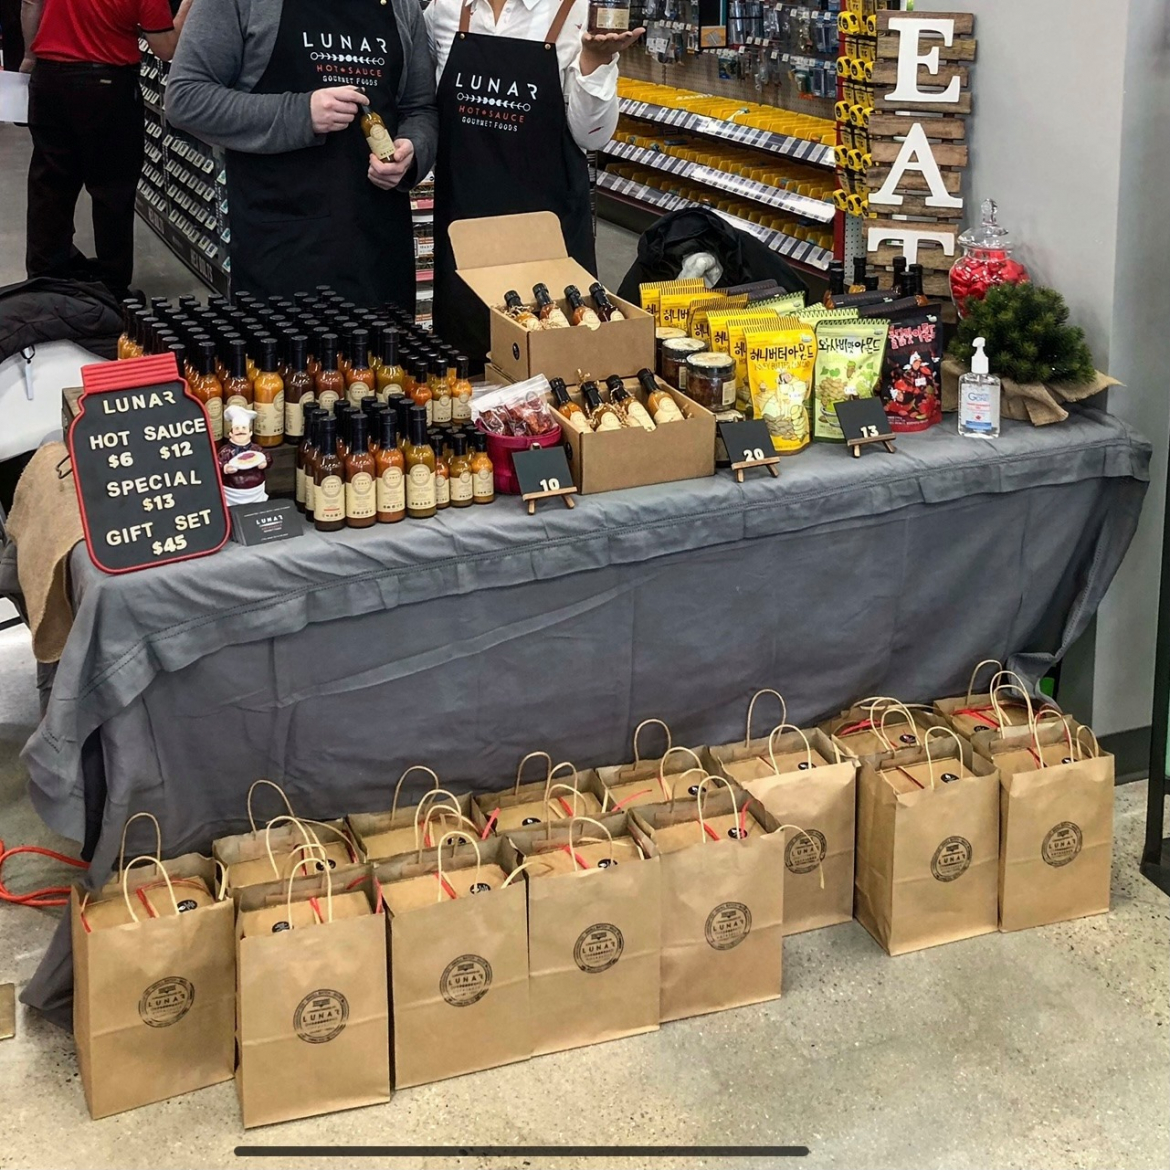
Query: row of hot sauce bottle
382	432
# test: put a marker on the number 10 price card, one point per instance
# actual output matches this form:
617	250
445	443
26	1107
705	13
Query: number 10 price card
145	468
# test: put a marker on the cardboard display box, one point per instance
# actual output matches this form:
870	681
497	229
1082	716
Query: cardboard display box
607	460
498	253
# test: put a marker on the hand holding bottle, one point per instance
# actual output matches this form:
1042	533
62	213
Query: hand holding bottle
598	49
335	108
388	175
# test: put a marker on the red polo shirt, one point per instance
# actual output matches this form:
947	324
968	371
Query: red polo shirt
102	31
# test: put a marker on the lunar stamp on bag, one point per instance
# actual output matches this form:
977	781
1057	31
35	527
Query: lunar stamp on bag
465	980
727	926
1061	844
321	1016
166	1002
805	851
598	948
951	859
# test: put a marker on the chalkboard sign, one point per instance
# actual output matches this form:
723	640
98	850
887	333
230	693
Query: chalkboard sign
145	467
748	445
543	472
864	421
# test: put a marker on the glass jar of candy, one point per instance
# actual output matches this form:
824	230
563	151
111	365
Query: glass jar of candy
986	260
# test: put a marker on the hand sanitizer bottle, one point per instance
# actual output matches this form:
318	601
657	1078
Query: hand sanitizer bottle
979	398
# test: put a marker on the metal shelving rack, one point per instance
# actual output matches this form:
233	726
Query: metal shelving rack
1156	853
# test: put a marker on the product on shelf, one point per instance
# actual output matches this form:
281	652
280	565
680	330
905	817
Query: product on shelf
780	367
516	410
710	380
606	309
912	383
676	351
849	365
579	312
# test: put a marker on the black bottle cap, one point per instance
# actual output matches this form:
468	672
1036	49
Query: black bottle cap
327	434
389	345
369	402
207	357
324	290
572	292
239	362
512	299
389	429
614	382
180	352
559	389
298	351
649	382
359	347
358	431
597	288
439	366
858	269
458	444
463	366
480	441
159	305
418	425
268	355
420	368
329	350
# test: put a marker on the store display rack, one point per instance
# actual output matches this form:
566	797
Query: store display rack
799	251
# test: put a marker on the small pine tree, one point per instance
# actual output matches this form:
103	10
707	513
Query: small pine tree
1028	335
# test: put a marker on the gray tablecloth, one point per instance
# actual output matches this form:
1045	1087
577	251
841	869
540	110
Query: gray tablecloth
331	662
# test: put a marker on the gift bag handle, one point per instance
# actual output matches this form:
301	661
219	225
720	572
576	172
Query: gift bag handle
478	860
975	674
902	709
703	829
926	747
772	744
340	834
548	808
328	895
161	869
1016	684
662	768
1052	713
283	796
747	738
1095	745
637	748
398	786
309	850
677	780
573	823
522	868
548	768
308	834
157	837
548	782
432	799
816	848
426	827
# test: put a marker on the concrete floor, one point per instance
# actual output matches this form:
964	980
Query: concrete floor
1041	1049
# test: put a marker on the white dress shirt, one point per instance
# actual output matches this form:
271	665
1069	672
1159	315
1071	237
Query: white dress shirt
592	101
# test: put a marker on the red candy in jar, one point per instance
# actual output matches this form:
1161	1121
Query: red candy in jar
986	260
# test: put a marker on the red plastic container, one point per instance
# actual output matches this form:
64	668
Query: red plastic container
501	448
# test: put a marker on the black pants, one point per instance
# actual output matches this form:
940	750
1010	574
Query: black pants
10	32
87	131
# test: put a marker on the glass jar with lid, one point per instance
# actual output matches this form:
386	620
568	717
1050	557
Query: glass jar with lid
986	260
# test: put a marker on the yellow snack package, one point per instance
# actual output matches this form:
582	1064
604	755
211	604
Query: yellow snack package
737	323
651	293
781	358
815	314
674	305
699	326
784	304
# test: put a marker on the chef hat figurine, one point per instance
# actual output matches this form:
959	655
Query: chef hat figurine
242	463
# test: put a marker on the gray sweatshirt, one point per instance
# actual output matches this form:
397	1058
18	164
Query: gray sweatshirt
223	52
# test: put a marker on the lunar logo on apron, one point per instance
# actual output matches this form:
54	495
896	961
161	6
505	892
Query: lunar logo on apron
492	104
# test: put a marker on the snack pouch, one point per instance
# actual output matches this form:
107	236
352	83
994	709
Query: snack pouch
652	294
780	369
698	324
911	384
737	323
784	304
849	365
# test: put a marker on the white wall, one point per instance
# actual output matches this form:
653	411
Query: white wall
1070	136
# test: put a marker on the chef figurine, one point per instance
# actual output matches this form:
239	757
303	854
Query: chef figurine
242	463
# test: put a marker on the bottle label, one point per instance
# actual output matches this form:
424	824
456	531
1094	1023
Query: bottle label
358	391
270	417
461	406
729	392
442	411
392	490
442	489
381	144
430	411
300	485
329	499
215	414
310	494
420	488
238	400
294	418
391	390
327	400
461	487
606	19
483	485
360	502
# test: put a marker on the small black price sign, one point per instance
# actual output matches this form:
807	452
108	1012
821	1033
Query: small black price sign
543	472
864	421
749	445
145	467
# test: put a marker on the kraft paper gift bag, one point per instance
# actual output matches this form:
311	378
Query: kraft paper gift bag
273	853
312	1021
458	932
538	802
383	835
651	781
594	932
973	713
801	778
154	984
927	844
881	724
1056	824
723	897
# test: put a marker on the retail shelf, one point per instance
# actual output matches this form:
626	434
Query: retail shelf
799	251
422	204
801	149
212	274
802	205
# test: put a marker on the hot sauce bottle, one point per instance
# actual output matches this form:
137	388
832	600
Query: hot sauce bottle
389	372
361	380
330	381
460	472
420	468
390	468
519	311
360	499
606	309
858	284
298	389
377	136
567	407
441	409
421	391
579	312
547	309
126	343
341	412
328	481
659	403
402	408
345	337
602	416
634	414
461	391
237	388
305	450
268	397
208	388
438	441
483	473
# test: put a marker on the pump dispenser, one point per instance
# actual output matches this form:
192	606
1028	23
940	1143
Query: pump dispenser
979	395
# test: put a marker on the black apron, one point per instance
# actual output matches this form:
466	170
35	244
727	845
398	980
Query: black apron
504	148
312	216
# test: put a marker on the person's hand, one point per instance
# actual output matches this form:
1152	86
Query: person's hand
334	109
599	49
388	175
26	66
